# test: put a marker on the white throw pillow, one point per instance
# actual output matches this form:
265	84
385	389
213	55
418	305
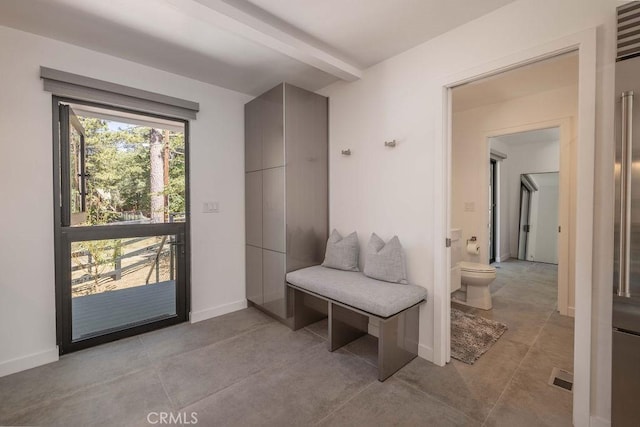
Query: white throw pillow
342	253
385	261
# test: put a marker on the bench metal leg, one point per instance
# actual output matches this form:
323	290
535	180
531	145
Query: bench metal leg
397	342
345	326
307	309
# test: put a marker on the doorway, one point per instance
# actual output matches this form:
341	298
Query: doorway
523	296
584	43
121	222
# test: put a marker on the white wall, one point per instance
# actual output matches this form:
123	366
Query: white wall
470	159
27	306
389	191
545	227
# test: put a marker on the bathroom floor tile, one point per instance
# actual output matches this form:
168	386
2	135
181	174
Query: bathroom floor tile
524	320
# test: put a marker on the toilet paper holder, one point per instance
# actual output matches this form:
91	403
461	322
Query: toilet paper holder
472	246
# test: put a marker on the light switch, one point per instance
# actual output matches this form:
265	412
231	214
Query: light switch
210	207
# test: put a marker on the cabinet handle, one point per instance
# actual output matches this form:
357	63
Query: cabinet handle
625	193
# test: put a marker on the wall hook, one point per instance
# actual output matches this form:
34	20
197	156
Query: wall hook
346	152
391	143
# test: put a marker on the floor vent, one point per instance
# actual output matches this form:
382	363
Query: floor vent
561	379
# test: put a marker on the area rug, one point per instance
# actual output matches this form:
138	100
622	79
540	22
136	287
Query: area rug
472	336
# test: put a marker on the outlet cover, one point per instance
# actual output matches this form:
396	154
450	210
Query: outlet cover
210	207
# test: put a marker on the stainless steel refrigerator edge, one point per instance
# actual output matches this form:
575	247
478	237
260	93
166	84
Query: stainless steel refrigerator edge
625	409
286	191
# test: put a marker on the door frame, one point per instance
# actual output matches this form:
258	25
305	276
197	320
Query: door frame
567	203
61	246
493	235
585	43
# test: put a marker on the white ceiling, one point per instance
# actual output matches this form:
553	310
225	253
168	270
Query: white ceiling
370	31
553	73
529	137
247	45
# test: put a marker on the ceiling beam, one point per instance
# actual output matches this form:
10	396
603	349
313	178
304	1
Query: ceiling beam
226	16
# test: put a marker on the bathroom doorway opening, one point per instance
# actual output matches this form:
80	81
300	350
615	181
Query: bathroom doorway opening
526	137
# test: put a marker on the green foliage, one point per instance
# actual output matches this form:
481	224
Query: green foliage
176	188
119	168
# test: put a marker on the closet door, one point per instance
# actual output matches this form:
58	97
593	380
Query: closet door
254	274
273	282
306	181
273	209
253	135
253	208
272	122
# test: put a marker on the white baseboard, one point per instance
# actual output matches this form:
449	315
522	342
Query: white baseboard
503	257
599	422
571	311
425	352
27	362
199	316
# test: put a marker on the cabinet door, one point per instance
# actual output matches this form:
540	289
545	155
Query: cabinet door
273	282
253	207
307	177
272	126
254	274
253	135
273	212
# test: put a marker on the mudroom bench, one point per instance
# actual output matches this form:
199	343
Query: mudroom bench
349	299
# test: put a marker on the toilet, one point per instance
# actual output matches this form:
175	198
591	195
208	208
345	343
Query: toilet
469	280
475	279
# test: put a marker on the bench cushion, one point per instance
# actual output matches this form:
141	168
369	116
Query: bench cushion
352	288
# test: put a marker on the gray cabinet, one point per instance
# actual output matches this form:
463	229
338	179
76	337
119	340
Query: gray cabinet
286	194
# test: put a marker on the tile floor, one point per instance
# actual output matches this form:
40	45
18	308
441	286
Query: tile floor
245	369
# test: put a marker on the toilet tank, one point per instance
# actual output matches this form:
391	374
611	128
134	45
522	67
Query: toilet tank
456	246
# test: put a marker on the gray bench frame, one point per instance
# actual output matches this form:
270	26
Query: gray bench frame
397	334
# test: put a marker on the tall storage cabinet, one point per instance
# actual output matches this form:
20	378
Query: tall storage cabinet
286	190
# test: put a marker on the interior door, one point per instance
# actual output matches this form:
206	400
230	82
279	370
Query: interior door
525	227
117	273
